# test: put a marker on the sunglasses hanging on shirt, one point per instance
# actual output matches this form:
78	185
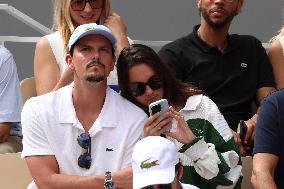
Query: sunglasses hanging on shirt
85	160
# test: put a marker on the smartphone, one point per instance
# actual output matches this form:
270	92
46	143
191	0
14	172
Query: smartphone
243	130
162	106
159	106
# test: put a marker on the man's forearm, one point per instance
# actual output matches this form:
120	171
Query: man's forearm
61	181
4	131
263	181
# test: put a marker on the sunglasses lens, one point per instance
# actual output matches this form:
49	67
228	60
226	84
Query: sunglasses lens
78	5
96	4
155	82
84	140
85	160
137	89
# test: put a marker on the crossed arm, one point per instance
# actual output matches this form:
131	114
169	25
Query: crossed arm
45	172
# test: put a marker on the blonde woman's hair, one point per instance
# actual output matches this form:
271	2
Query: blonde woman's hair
279	33
63	22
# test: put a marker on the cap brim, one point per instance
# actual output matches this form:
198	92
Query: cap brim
104	33
151	177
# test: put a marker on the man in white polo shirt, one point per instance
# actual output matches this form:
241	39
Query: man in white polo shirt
82	135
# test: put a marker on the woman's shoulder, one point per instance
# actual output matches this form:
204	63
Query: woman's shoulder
199	99
276	50
55	34
277	45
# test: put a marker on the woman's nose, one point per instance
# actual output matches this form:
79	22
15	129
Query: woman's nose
148	90
88	7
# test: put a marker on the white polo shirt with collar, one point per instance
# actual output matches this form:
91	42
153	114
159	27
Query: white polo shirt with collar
51	127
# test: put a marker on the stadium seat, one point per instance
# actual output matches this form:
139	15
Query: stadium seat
28	89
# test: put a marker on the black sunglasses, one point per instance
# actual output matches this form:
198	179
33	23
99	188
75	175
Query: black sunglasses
85	160
138	88
79	5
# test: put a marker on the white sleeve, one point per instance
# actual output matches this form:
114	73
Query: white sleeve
214	154
34	139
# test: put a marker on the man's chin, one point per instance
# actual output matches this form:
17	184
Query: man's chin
217	23
95	79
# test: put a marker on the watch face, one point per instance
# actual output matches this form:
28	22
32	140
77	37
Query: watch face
109	184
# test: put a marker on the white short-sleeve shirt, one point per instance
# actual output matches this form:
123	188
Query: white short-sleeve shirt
51	127
10	94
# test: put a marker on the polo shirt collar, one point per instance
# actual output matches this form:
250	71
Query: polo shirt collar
107	118
233	41
109	114
192	103
67	112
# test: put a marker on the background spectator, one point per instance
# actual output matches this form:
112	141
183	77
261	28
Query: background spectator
10	104
233	70
276	56
199	129
268	159
155	164
50	68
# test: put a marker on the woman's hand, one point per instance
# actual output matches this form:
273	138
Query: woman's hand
183	133
115	23
65	79
157	124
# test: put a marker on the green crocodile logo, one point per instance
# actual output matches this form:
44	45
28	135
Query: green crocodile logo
90	28
146	165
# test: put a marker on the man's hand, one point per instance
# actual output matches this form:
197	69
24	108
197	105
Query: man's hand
4	131
123	178
246	145
251	125
238	141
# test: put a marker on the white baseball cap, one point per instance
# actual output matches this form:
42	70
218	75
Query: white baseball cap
153	161
88	29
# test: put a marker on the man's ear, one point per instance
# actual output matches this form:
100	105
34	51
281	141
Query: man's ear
198	3
69	61
240	5
113	63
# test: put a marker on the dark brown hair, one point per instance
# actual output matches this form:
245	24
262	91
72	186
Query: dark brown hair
175	91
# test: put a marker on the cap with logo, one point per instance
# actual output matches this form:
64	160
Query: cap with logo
153	161
88	29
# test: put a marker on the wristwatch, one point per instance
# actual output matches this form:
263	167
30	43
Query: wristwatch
109	184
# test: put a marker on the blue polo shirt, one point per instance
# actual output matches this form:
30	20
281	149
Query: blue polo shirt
270	131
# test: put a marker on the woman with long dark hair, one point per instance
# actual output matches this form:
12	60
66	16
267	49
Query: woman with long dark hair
206	145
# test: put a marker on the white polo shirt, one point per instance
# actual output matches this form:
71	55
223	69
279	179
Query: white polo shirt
51	127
